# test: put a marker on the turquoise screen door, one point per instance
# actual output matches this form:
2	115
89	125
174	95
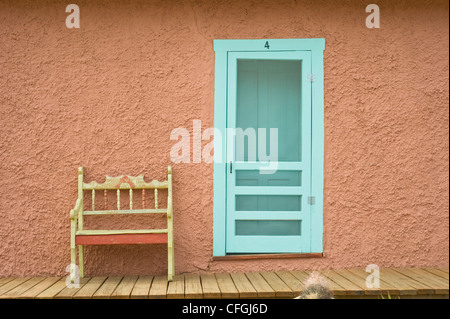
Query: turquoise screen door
267	199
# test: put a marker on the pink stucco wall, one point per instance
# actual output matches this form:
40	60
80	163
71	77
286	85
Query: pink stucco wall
106	97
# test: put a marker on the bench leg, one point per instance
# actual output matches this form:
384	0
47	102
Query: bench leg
170	258
81	260
73	250
73	263
173	264
170	265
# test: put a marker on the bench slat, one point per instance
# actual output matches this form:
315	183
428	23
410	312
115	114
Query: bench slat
113	183
124	211
121	239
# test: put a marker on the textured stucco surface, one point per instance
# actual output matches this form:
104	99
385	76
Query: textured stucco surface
106	97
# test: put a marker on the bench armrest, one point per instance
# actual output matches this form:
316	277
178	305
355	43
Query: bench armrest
74	212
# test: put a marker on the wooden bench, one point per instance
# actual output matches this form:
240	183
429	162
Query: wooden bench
80	237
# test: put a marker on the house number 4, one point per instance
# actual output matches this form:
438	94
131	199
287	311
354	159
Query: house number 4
267	45
73	19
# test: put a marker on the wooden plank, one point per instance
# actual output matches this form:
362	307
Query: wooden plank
422	289
280	288
108	287
437	272
67	293
5	280
10	285
119	231
302	276
385	287
22	287
227	287
192	287
292	282
123	290
53	290
263	289
350	288
37	289
176	288
210	287
243	285
141	288
443	269
88	290
439	284
390	284
158	290
360	282
397	281
121	239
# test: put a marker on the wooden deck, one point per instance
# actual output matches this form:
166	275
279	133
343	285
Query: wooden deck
349	283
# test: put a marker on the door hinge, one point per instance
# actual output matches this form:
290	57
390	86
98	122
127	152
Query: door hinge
311	200
312	77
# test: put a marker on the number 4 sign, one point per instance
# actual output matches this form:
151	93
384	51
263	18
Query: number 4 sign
73	19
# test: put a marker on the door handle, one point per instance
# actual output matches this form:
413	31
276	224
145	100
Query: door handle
231	167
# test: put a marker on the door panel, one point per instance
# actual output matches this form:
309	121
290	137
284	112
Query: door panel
268	227
267	213
279	178
257	203
268	95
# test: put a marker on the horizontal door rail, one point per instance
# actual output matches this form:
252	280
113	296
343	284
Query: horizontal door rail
266	215
269	190
282	166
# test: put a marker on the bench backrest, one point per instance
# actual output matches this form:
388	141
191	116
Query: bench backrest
124	183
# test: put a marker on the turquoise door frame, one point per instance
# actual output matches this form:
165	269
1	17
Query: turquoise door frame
227	51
